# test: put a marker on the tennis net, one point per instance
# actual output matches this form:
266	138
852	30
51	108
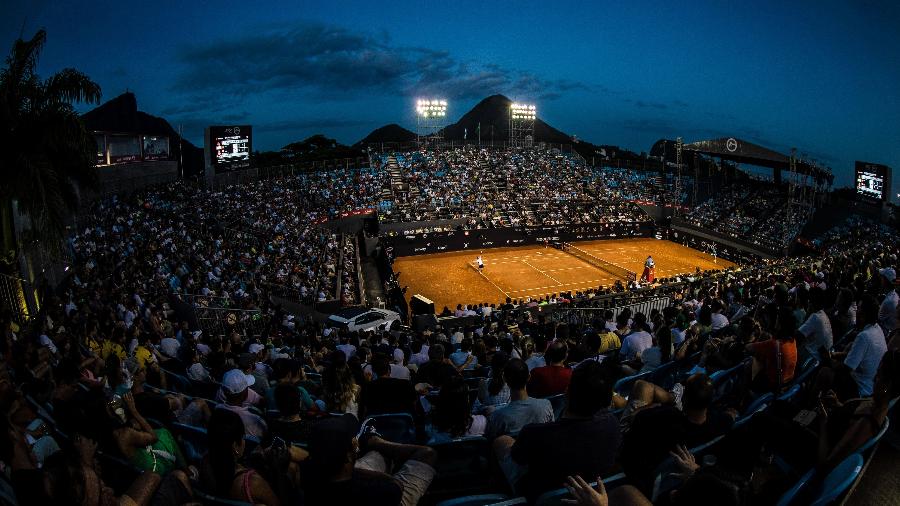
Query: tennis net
615	270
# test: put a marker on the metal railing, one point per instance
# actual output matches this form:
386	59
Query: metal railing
14	296
586	315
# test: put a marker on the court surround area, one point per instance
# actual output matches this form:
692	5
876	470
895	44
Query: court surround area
535	271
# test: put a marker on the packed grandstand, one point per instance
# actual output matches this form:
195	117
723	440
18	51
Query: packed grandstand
186	357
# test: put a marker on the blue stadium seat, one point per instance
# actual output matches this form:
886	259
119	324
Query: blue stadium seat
791	394
557	496
833	486
462	466
194	441
805	371
876	438
623	386
394	427
217	501
483	500
558	402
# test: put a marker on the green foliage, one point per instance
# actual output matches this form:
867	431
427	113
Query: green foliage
45	149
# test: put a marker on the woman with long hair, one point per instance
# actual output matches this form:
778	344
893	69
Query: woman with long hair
493	390
224	473
339	390
452	416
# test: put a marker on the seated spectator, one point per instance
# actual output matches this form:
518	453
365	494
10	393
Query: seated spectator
386	394
638	340
463	359
345	470
659	425
452	415
339	390
553	378
437	370
223	472
661	351
521	410
852	372
816	330
236	390
536	358
493	390
288	371
288	425
583	442
775	358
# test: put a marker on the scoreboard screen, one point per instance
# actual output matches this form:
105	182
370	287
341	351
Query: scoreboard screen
230	147
872	180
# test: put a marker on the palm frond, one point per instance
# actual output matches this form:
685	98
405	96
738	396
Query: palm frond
70	85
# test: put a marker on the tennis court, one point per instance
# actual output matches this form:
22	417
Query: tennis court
534	271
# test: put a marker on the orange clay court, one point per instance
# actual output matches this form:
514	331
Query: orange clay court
534	271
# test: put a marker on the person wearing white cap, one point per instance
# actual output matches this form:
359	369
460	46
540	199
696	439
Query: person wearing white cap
236	390
887	313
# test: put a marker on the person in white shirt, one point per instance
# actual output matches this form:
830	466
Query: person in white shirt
817	328
887	312
348	349
638	340
419	354
867	349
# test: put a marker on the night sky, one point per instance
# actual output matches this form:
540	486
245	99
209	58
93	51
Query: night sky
821	76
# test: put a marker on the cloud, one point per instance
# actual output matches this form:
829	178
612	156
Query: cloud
332	62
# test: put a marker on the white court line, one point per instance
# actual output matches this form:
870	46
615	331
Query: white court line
542	272
504	292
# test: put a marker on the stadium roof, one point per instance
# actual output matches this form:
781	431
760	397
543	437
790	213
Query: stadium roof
741	151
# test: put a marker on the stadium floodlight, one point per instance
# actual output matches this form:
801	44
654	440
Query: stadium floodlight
431	108
431	116
523	111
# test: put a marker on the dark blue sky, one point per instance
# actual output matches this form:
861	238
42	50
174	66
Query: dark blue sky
821	76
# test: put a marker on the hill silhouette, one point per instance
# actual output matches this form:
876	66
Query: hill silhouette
388	133
121	114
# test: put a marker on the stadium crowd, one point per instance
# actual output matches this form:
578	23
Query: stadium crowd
114	395
758	214
491	188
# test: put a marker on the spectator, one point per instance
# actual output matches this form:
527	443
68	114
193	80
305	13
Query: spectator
336	475
521	410
493	390
340	390
583	442
386	394
816	331
661	425
236	390
223	472
437	370
452	415
554	378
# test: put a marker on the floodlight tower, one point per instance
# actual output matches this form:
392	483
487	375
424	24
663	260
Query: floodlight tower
521	124
431	116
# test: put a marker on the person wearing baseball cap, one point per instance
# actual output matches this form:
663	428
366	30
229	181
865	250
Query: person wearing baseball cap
235	389
887	313
346	467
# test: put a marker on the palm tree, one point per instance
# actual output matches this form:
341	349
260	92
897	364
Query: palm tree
45	149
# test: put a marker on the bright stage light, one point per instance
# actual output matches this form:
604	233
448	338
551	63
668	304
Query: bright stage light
431	108
523	111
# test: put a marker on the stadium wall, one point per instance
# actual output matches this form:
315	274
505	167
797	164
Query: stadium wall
691	229
440	242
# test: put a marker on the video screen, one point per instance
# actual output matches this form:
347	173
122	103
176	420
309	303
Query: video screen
156	148
230	147
870	180
124	148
